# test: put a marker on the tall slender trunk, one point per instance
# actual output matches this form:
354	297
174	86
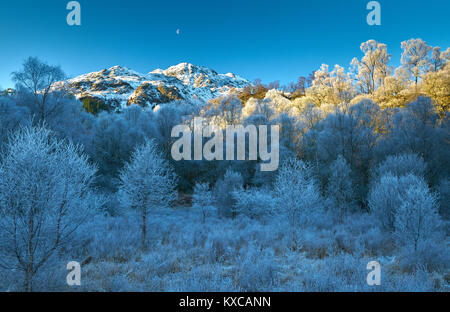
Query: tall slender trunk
144	227
28	284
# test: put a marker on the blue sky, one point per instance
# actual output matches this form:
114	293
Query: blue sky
271	40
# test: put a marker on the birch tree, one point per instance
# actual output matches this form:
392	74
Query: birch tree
373	67
415	57
45	195
38	78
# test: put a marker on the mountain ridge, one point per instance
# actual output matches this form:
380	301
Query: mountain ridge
117	87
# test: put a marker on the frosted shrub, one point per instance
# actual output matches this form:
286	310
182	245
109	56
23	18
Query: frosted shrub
417	281
107	239
222	246
257	271
203	279
430	255
314	245
376	241
254	203
218	248
343	272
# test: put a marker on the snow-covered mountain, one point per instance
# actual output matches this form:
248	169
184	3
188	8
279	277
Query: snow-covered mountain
118	87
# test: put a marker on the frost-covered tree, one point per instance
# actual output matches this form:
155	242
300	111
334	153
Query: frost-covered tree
389	193
417	129
146	181
395	90
340	186
45	195
443	189
415	57
37	78
437	61
167	116
225	111
417	218
373	67
114	138
289	130
321	88
203	199
383	199
298	195
262	107
399	165
223	191
12	116
278	101
70	121
310	115
349	131
330	87
437	86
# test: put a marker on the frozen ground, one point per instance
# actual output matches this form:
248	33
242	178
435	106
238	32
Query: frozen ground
185	254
